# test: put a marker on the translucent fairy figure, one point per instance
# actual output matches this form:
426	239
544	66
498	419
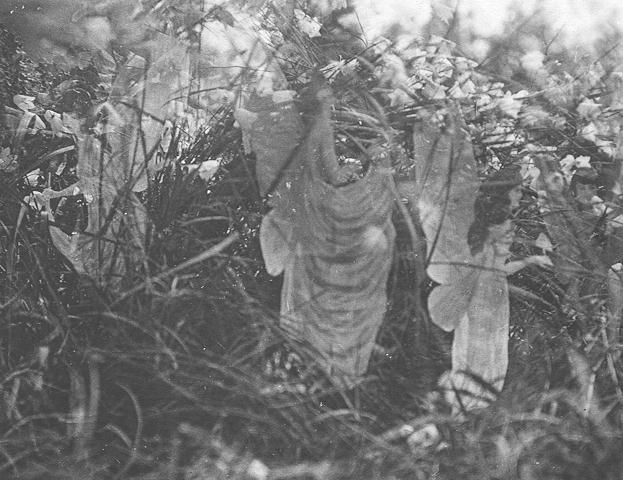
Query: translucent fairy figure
114	236
479	302
116	157
332	239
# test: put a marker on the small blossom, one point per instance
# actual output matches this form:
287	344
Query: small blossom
424	437
207	169
8	162
567	163
530	174
399	97
589	132
456	91
257	470
468	87
33	177
567	171
588	109
394	71
543	242
509	105
435	92
583	162
532	61
56	123
443	67
533	115
598	205
483	100
309	26
24	102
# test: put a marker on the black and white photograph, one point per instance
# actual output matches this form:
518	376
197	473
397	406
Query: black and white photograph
311	239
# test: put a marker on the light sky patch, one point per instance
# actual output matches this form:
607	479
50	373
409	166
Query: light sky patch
579	21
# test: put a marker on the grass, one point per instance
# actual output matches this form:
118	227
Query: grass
185	374
189	377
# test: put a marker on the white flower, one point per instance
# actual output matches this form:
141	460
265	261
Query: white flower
509	105
24	102
617	222
530	173
589	132
394	71
483	100
456	91
425	437
443	67
399	97
468	87
495	162
496	89
56	123
99	32
588	109
415	53
332	68
336	67
583	162
207	169
599	207
463	64
543	242
566	166
257	470
309	26
424	72
435	92
609	148
532	61
7	160
36	201
533	115
71	123
33	177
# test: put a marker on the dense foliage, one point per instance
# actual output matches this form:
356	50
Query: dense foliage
180	370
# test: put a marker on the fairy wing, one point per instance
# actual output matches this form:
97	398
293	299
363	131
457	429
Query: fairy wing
275	240
144	95
447	185
448	303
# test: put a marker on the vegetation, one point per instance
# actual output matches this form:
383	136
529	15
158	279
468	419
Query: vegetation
174	365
